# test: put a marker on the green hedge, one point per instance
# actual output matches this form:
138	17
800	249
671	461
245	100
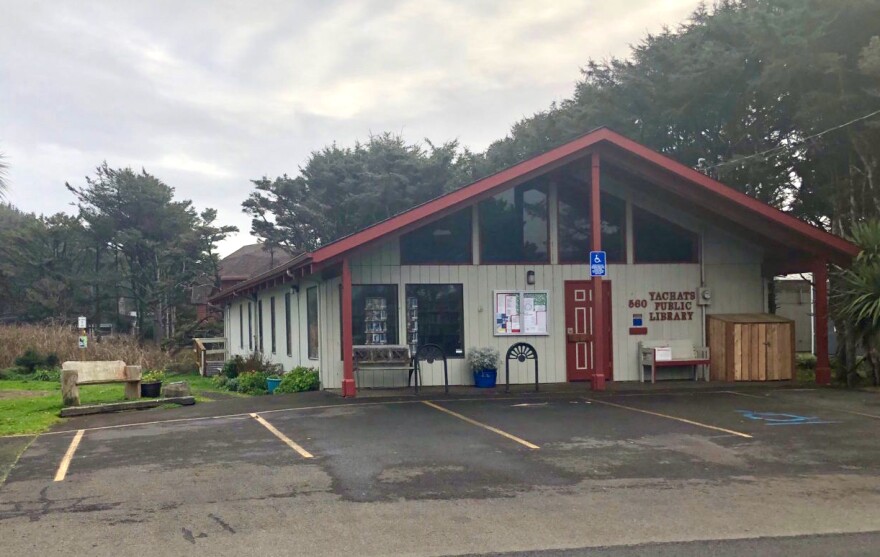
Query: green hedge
298	380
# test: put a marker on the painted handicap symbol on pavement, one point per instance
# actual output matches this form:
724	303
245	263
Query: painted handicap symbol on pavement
780	418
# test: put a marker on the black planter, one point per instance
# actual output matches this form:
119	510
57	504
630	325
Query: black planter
151	390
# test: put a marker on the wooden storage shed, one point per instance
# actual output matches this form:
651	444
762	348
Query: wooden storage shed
750	347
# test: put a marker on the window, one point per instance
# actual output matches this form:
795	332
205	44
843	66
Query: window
312	321
374	314
435	315
447	240
287	327
574	225
272	323
241	326
514	226
250	327
260	325
659	241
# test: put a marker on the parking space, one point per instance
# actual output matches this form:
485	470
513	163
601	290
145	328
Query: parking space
413	451
482	448
597	452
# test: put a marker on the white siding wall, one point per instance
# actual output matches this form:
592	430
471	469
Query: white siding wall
731	268
237	328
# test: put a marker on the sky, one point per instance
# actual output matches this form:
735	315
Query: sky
209	95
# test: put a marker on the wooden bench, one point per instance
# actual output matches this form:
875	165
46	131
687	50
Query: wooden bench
74	374
671	353
383	357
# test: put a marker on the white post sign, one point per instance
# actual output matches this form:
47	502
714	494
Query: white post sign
82	322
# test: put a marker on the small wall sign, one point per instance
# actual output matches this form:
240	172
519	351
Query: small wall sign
597	264
672	305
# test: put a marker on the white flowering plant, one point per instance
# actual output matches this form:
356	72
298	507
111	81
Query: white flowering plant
479	359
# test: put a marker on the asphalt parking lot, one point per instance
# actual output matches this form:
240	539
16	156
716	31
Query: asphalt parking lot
449	475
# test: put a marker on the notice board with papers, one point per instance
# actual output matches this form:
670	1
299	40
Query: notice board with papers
521	312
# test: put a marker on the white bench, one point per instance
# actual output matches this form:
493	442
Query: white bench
74	374
671	353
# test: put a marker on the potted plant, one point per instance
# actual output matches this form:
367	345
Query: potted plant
272	382
484	363
151	383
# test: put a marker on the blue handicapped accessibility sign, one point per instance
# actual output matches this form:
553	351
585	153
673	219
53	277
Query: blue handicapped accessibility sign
781	418
597	264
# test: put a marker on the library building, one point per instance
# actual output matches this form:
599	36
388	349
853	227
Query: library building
601	258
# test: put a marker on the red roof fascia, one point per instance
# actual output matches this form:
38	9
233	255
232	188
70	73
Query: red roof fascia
726	192
563	154
517	173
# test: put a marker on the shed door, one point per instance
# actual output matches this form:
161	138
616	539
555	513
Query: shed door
580	364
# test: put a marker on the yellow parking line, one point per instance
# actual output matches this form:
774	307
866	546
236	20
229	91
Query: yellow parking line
287	440
68	456
482	425
668	417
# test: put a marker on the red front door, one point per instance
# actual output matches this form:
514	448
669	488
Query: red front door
579	362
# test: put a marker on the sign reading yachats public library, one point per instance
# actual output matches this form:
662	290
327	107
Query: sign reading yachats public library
672	305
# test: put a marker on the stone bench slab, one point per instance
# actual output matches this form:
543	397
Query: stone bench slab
121	406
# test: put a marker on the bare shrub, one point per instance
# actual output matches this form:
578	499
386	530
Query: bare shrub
62	340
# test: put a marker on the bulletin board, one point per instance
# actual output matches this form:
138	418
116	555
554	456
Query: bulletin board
521	312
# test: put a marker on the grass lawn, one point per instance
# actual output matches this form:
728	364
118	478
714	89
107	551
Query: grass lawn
28	406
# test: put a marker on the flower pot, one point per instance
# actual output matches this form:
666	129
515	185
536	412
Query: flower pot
272	384
151	390
485	378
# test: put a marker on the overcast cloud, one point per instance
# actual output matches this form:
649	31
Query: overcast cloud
208	95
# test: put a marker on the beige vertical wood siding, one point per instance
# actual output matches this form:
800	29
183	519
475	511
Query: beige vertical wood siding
732	269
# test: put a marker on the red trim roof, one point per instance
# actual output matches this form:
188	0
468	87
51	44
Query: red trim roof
561	155
724	199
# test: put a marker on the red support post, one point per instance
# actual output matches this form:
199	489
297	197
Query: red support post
820	323
600	342
348	385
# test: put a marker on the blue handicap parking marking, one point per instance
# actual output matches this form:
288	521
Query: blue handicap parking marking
780	418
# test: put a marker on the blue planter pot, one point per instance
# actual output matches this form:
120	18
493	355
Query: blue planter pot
485	379
272	384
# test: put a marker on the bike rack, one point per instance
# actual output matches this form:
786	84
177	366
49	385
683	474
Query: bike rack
429	353
521	351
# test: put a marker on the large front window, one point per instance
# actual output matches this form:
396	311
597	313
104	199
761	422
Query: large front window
657	240
312	321
260	325
514	226
374	314
447	240
574	224
288	337
272	328
435	315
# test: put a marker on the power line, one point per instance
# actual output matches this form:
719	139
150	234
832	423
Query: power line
791	146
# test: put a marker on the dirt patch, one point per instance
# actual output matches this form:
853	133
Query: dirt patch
215	396
4	395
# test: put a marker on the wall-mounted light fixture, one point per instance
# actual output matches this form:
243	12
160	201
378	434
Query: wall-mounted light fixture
530	277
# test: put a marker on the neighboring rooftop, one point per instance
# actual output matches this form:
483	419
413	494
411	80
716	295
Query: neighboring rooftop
252	260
